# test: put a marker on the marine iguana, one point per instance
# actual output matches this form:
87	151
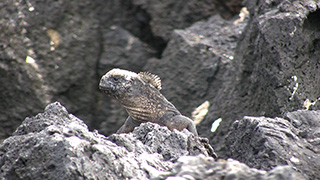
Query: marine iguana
140	95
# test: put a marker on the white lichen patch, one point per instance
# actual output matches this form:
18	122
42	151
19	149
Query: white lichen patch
130	43
295	88
295	160
42	91
55	38
30	7
200	112
242	16
32	62
215	124
307	103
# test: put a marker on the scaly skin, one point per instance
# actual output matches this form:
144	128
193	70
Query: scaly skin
139	94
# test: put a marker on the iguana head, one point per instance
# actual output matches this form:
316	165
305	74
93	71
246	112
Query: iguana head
125	85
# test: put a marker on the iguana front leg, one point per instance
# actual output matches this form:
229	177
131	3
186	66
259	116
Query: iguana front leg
128	126
181	122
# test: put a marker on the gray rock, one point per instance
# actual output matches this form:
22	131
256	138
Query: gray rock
123	50
278	70
51	51
57	50
131	17
169	15
48	52
20	83
195	63
201	167
275	67
57	145
15	91
264	143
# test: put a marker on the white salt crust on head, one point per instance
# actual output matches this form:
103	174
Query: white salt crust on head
128	75
145	77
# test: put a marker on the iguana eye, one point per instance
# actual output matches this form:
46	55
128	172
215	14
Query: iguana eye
115	78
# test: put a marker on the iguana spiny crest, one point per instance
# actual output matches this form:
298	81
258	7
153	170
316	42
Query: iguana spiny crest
153	79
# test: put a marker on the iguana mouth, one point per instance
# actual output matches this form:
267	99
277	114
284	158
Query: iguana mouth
108	90
104	89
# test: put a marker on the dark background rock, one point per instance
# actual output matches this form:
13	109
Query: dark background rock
275	67
58	50
165	16
196	61
57	145
51	49
16	92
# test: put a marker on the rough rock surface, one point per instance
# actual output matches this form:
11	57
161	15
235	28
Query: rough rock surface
205	168
196	61
264	143
122	49
169	15
54	51
275	67
165	16
57	145
43	58
281	70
